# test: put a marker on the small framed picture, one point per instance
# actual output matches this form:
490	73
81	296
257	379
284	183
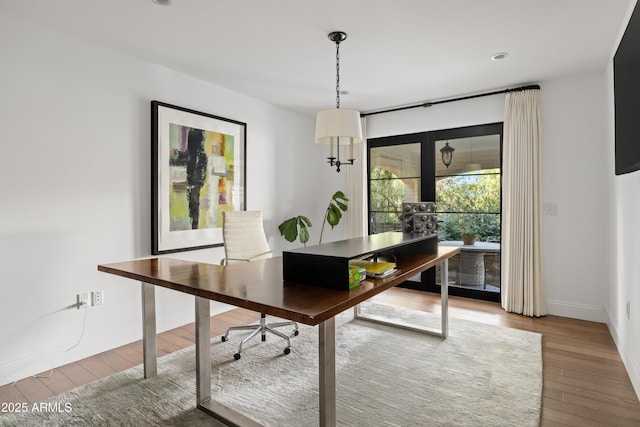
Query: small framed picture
198	171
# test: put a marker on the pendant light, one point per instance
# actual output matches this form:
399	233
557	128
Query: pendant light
447	154
338	126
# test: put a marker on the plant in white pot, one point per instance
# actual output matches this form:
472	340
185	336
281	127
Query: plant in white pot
298	226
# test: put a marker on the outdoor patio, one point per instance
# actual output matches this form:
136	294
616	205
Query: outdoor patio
487	280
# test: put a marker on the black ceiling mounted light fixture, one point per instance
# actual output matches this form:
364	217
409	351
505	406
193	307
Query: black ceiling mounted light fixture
447	154
338	126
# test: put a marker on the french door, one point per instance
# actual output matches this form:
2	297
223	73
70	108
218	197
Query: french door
467	191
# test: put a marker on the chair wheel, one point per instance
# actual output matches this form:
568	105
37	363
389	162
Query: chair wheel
295	333
237	356
224	338
287	350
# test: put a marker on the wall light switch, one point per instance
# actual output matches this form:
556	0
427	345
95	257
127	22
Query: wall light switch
550	209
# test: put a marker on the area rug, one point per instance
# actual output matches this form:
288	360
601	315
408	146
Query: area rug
481	375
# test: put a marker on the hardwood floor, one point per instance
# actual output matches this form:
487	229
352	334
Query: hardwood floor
585	382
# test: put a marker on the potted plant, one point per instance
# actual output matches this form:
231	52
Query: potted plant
469	238
298	226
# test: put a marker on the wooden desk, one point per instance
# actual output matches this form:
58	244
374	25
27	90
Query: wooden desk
259	286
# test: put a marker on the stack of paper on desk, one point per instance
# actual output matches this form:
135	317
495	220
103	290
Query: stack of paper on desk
375	268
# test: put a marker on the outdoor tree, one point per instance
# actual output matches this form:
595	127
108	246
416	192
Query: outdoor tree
387	195
466	203
469	204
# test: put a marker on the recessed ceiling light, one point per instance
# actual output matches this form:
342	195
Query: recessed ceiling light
162	2
499	56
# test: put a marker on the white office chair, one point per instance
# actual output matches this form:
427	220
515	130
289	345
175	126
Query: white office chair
245	241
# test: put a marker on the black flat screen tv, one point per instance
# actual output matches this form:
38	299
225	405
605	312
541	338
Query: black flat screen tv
626	83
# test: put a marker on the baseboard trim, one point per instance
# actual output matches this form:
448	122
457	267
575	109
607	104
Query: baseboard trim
634	373
577	311
633	370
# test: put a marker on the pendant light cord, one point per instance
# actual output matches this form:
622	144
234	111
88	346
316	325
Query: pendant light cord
337	74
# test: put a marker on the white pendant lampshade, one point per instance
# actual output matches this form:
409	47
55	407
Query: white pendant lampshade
338	123
338	126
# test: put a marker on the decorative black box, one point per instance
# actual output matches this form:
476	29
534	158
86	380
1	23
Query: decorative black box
420	218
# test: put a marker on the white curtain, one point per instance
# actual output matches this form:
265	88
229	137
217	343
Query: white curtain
522	284
356	190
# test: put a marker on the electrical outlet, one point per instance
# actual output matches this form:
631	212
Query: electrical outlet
98	297
82	300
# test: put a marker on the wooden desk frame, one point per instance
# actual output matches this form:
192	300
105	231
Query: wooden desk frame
152	273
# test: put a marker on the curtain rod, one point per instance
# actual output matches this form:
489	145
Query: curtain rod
429	104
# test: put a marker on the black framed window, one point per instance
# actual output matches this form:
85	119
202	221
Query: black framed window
410	168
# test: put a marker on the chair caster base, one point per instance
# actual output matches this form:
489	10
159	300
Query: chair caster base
262	329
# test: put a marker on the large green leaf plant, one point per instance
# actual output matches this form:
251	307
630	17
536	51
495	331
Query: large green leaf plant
298	226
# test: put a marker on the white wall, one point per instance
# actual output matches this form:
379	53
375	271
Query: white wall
75	185
489	109
623	252
574	177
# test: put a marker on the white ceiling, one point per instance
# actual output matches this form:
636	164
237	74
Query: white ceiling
398	52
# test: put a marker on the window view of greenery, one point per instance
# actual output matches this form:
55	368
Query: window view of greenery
394	178
469	204
388	192
467	190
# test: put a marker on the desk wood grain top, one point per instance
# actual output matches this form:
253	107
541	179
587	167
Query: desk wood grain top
259	286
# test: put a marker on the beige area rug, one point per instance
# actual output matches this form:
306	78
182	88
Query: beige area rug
481	375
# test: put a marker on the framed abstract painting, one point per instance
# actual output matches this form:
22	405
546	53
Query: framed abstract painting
198	172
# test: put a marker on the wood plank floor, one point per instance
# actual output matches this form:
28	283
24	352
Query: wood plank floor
585	382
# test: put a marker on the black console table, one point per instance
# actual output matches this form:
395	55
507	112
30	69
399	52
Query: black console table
327	265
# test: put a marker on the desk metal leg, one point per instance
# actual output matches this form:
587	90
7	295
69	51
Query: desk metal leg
149	340
217	410
444	297
327	372
203	350
444	304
